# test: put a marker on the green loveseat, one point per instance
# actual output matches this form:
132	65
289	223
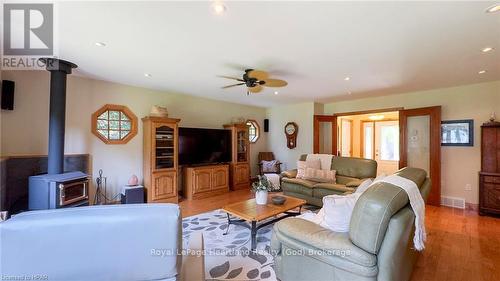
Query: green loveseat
378	245
350	173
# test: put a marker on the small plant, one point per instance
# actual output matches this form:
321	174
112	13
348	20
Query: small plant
263	184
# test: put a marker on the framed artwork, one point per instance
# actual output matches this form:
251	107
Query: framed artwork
457	133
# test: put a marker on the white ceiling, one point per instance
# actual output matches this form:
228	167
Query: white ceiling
385	47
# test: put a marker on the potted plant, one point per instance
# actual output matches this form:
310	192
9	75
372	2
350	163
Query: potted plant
261	187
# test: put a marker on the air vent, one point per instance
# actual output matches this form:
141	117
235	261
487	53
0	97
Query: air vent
454	202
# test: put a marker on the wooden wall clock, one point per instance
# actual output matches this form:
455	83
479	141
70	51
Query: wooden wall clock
291	131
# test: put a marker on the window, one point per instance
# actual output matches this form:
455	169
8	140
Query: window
114	124
253	131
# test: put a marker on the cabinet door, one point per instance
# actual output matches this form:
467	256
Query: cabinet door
241	174
220	178
492	196
202	180
164	146
164	185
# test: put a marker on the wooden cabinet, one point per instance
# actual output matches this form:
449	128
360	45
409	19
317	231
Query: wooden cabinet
240	160
489	177
205	181
164	186
160	159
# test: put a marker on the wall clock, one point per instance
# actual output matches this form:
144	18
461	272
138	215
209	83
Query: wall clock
291	130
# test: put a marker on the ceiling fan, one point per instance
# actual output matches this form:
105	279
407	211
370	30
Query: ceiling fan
255	81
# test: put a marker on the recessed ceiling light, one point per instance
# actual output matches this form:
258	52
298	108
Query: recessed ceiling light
100	44
486	49
482	72
276	92
218	8
347	78
148	74
494	8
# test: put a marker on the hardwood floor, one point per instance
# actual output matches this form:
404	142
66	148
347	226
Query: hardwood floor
461	245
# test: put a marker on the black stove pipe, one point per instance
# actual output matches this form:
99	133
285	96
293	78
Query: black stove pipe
59	69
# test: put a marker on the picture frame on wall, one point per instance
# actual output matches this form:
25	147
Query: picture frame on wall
457	132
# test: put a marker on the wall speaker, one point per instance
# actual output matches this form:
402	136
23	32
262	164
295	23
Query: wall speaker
266	125
7	100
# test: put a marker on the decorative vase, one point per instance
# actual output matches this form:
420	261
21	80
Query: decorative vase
261	197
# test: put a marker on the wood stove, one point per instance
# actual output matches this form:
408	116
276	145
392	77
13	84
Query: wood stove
57	189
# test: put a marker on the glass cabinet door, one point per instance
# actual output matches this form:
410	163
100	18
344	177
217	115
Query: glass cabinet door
164	147
242	145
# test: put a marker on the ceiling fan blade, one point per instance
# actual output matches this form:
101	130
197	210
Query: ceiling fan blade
234	85
255	89
258	74
229	77
275	83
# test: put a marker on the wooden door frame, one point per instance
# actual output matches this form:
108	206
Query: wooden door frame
316	136
434	112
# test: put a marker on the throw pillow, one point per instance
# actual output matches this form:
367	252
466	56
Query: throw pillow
301	169
269	166
338	210
302	165
363	186
320	175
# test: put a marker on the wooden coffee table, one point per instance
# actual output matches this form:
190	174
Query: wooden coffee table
249	214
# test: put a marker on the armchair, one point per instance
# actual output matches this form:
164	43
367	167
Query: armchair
378	245
268	156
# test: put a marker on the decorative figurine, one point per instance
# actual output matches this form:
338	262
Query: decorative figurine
133	180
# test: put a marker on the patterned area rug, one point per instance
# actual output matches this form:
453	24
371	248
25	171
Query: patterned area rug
228	257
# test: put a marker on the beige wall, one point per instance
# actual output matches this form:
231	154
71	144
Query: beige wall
25	130
302	114
460	165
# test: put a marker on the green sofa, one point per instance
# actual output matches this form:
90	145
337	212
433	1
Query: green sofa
378	245
350	173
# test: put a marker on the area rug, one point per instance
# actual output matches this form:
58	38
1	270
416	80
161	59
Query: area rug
228	257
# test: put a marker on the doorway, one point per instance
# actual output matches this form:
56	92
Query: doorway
380	142
372	136
394	137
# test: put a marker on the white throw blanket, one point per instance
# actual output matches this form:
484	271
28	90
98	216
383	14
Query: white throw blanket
325	159
417	204
274	179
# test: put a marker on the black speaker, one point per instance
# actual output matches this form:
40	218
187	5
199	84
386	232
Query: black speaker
266	125
7	95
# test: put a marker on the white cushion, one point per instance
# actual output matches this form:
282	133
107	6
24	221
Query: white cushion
301	169
363	186
337	211
302	165
317	175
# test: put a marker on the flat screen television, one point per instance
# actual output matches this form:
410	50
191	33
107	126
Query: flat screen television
204	146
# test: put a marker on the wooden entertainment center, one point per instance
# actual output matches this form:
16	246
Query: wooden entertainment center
206	181
240	160
161	164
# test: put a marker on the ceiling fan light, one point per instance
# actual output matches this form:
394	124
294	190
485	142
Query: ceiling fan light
494	8
487	49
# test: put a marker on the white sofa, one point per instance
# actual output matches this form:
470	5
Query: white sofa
118	242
